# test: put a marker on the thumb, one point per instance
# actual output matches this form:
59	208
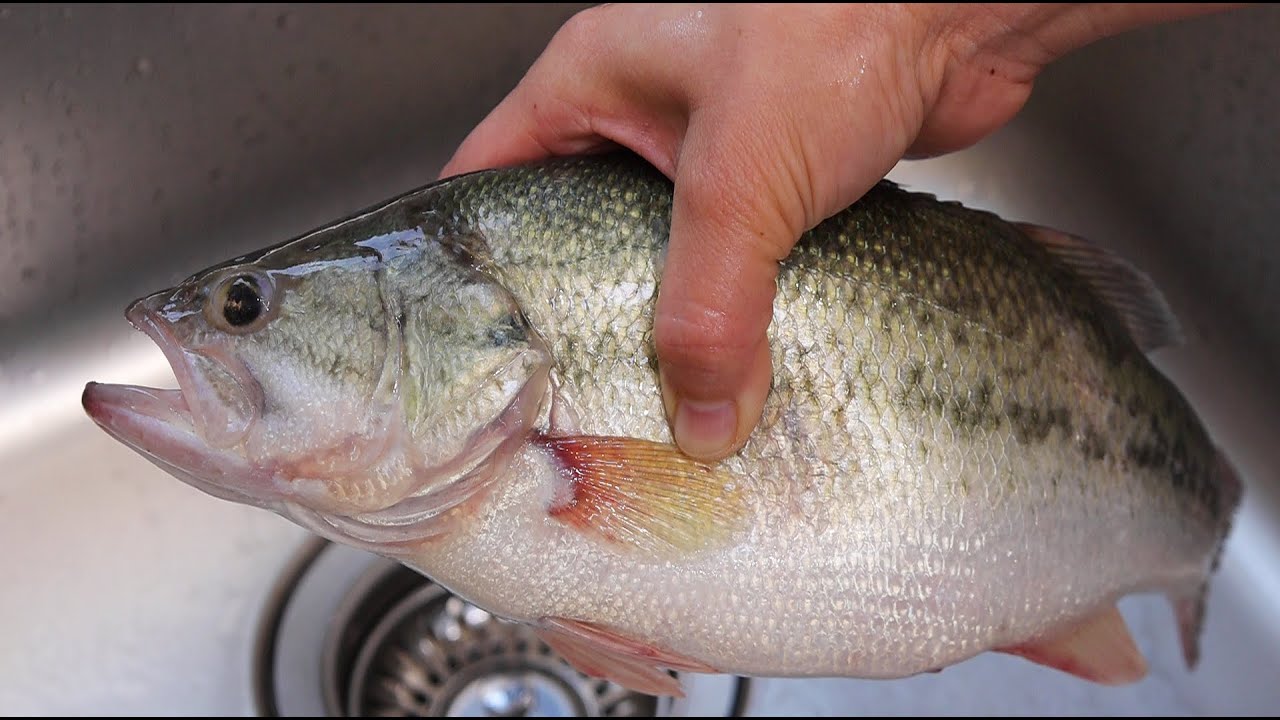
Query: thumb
736	214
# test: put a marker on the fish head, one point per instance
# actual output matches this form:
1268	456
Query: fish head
331	379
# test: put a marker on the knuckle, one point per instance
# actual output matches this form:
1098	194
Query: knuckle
699	338
580	31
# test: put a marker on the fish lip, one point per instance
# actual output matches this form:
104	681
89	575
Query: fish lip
144	319
113	407
158	425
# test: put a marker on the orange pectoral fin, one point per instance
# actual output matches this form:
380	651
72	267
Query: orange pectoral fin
1098	649
645	494
604	653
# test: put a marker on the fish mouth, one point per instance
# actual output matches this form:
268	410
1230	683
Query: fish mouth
157	424
190	432
223	398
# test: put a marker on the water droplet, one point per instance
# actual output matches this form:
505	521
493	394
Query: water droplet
474	616
143	66
5	13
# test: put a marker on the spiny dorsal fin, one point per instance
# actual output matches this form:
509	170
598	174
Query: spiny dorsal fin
1124	288
644	494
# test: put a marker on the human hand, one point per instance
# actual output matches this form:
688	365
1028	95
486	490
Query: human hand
770	119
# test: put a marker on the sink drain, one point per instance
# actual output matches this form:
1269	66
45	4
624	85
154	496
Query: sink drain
433	654
351	634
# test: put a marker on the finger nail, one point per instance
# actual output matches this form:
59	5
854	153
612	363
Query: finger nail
705	429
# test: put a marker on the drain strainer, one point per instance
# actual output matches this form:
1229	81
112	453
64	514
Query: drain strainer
352	634
435	655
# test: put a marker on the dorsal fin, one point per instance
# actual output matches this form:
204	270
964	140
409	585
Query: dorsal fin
1125	289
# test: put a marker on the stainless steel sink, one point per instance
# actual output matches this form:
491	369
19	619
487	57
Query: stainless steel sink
140	143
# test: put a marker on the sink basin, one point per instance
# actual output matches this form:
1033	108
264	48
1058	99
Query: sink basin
140	143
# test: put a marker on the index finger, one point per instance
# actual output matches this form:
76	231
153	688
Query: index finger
522	129
598	84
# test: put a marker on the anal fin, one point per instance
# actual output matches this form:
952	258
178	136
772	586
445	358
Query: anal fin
604	653
1099	649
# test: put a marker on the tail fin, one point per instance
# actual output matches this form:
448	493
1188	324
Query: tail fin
1189	608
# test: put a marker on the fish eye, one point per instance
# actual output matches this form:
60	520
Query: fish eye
240	303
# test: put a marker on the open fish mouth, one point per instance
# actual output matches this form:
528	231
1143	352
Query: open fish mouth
189	431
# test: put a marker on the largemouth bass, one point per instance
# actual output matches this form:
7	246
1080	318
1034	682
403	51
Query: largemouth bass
964	448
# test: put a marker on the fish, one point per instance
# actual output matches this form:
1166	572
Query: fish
965	447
